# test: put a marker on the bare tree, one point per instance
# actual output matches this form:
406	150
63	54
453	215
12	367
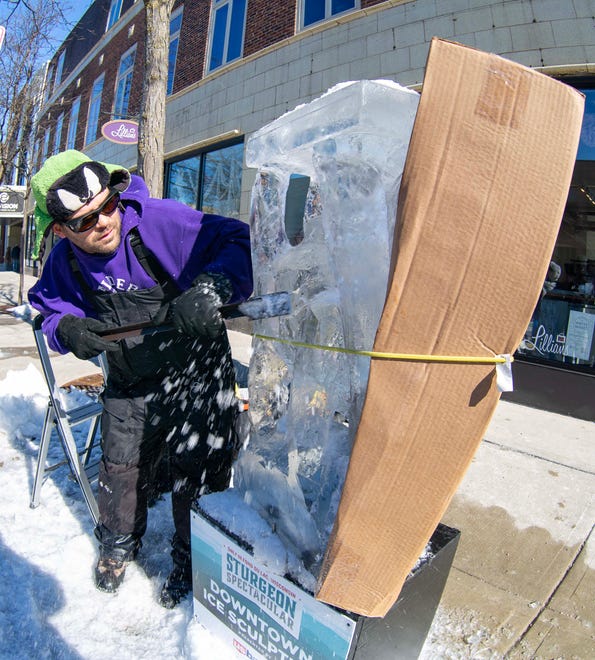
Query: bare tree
152	113
29	27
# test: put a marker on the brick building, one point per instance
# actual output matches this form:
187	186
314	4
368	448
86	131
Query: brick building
235	65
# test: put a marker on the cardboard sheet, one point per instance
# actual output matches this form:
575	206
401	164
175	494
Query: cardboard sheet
482	197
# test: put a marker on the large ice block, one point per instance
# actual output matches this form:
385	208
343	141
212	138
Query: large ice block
322	222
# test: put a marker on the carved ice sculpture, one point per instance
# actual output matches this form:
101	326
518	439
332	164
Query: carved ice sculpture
322	221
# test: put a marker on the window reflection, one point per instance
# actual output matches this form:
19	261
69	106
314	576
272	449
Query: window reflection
227	35
562	330
183	181
210	181
222	181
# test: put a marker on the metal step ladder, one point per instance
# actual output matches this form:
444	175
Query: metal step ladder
63	420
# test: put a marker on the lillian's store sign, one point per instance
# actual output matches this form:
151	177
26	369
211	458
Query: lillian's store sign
121	131
575	342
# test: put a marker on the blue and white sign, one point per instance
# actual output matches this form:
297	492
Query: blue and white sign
12	201
260	614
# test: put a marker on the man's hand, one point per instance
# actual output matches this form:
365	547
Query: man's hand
196	311
79	336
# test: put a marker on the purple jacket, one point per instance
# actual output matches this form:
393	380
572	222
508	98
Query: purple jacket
185	241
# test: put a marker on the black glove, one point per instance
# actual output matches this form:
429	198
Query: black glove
79	336
196	311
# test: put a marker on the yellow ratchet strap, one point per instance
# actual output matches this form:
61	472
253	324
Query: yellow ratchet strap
409	357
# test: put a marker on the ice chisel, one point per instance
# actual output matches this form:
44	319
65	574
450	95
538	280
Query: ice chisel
259	307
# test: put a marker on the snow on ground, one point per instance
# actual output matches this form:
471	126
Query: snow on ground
49	607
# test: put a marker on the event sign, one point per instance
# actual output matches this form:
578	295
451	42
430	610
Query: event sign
258	613
121	131
579	336
12	201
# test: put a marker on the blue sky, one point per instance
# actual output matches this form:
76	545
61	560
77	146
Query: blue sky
75	13
74	9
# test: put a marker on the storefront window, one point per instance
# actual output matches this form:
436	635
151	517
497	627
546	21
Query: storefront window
562	330
222	181
182	181
210	181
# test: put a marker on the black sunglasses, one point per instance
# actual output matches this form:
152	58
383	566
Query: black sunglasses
88	221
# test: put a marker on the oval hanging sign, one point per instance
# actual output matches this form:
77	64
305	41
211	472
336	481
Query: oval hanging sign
121	131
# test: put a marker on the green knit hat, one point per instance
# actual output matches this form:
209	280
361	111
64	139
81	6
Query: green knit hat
65	183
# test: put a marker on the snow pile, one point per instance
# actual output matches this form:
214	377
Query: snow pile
49	606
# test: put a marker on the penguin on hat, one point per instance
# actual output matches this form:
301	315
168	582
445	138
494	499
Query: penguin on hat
64	184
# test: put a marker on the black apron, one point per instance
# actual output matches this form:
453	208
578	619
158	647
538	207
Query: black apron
166	389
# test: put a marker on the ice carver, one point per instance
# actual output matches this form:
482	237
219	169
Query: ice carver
126	257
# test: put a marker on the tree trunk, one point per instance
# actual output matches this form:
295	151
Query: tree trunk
151	133
23	244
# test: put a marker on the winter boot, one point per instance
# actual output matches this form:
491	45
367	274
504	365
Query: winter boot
177	585
115	553
109	573
179	581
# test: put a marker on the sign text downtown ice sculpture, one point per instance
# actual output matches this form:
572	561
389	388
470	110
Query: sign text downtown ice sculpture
322	221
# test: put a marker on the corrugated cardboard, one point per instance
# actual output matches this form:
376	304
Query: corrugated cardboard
482	196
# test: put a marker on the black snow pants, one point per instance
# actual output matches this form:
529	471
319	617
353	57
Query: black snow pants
192	412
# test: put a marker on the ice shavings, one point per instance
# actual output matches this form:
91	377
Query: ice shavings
241	520
49	606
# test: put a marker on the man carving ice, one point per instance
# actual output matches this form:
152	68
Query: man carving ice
126	257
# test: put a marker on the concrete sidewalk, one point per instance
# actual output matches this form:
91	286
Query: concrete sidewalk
523	580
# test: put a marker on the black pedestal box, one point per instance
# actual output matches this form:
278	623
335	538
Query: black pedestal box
402	632
263	615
